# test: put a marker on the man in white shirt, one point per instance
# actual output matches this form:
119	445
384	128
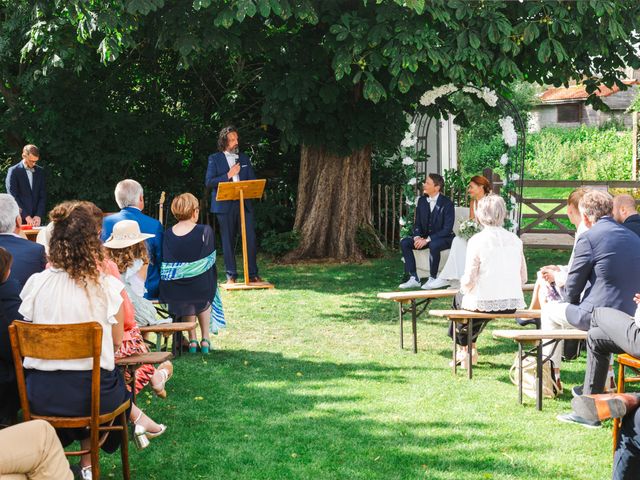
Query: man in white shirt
433	229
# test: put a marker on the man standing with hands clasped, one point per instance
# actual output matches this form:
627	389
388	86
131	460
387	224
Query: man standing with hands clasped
26	183
433	229
231	165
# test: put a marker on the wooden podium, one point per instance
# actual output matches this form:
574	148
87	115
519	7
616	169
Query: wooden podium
247	189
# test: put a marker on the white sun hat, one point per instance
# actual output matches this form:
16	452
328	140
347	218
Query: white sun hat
126	233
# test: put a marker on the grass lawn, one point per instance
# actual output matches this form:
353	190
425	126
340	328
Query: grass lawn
308	382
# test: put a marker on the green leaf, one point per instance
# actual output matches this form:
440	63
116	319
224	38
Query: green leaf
530	33
474	40
544	52
405	81
264	7
373	90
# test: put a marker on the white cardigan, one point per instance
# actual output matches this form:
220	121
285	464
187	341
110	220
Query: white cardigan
494	271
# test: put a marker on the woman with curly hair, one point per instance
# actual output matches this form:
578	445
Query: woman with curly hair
76	290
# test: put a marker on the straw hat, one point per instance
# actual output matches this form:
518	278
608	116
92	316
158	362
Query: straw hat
126	233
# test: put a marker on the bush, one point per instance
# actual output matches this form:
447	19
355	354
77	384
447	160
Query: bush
584	153
277	244
368	241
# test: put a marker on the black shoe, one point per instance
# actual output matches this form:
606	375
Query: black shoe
577	391
573	418
524	322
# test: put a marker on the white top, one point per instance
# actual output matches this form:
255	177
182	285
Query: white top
52	297
560	277
494	271
231	161
131	278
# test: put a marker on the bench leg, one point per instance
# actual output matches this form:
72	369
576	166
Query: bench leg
414	326
469	349
455	363
539	376
401	325
520	373
616	421
158	342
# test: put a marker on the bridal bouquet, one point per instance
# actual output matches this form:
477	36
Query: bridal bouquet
468	228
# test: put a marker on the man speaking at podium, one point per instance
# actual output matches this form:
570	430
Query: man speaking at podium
230	165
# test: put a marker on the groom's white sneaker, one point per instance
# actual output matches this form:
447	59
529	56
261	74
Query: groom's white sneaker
435	283
411	283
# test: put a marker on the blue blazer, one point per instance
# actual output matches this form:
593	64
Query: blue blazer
28	257
154	245
32	201
606	261
437	224
217	170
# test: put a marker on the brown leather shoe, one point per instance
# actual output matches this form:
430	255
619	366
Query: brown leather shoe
605	405
231	281
256	279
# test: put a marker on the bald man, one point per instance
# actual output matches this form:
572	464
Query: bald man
624	212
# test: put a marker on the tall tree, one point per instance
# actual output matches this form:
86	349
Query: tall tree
337	76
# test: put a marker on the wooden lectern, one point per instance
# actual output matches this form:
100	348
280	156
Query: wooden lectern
247	189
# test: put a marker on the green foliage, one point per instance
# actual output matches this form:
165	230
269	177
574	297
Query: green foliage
368	242
455	186
278	244
584	153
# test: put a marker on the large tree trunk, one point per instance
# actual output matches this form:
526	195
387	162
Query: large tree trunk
333	201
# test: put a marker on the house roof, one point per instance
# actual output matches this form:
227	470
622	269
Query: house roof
579	92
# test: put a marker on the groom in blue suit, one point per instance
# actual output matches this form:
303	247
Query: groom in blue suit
231	165
433	229
130	198
26	183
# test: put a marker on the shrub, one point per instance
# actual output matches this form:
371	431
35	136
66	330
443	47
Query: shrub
368	241
277	244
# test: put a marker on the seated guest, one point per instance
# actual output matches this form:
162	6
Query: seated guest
26	183
31	450
433	229
595	408
9	304
189	278
75	290
625	212
130	198
494	272
127	251
28	257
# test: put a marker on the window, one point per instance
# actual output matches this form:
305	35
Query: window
569	113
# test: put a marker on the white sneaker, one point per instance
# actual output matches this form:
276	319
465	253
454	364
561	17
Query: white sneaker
411	283
85	473
435	283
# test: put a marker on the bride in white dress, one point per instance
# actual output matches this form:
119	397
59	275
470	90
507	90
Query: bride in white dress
479	186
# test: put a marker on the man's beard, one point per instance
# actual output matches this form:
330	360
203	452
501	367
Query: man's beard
235	150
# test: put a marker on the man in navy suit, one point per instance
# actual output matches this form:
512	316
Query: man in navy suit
625	213
231	165
130	198
28	257
433	229
26	183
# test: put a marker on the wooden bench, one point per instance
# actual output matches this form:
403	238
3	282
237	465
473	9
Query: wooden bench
165	330
468	317
536	338
131	363
416	302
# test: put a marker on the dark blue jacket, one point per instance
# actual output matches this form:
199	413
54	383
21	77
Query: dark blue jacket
606	261
154	245
9	305
437	224
28	257
32	201
633	223
217	170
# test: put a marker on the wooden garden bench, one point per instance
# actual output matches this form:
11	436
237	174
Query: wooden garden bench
416	302
535	339
133	362
165	330
467	317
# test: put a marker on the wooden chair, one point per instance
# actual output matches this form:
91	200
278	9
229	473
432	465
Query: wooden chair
68	342
633	363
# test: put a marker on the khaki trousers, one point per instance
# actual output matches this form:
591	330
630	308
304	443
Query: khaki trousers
31	450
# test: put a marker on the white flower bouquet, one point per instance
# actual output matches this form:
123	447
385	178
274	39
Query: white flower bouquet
468	228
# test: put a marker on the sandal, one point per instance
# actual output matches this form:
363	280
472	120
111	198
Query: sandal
205	345
193	346
166	370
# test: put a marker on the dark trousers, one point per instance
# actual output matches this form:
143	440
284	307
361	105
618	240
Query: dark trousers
229	224
462	329
435	246
612	331
626	462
